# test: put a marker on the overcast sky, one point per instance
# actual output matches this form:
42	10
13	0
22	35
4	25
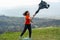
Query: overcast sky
17	7
16	3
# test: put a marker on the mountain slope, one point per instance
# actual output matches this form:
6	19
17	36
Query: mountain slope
37	34
17	23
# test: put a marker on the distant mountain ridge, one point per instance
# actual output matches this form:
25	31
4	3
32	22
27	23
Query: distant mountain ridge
17	23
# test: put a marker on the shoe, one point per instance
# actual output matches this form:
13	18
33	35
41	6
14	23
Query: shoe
26	38
20	38
30	39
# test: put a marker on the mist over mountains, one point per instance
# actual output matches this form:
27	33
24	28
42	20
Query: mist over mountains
12	19
53	12
17	23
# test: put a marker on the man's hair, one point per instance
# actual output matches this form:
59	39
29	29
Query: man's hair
25	13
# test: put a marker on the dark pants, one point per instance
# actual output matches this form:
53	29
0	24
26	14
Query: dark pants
27	26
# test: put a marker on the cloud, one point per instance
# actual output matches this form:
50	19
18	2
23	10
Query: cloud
16	3
52	0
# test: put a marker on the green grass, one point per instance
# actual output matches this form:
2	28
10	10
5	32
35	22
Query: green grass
37	34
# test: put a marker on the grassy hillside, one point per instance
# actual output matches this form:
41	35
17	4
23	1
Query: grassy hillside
37	34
